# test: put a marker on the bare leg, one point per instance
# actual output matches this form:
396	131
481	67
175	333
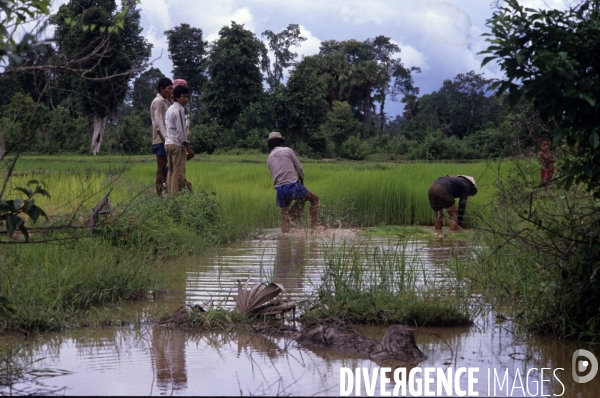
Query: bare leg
297	209
161	166
285	223
453	212
314	207
439	216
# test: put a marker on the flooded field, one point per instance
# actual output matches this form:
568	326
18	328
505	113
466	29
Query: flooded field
158	360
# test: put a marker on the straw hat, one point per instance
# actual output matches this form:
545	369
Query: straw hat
275	134
471	179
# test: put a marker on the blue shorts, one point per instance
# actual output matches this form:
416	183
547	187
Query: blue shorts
159	150
289	192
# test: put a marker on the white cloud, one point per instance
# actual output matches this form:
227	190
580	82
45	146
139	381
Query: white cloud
241	16
442	37
410	57
156	13
311	45
544	4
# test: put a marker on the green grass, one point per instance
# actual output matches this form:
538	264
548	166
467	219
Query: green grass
395	230
352	193
366	284
49	284
69	271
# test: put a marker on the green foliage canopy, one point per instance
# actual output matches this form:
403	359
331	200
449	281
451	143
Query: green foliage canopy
235	74
187	50
145	89
552	58
86	27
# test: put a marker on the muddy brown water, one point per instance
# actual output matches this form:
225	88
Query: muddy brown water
157	360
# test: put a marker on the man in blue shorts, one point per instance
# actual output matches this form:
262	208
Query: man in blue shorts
283	166
158	109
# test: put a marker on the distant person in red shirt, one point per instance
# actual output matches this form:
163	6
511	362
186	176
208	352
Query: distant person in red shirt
441	196
546	160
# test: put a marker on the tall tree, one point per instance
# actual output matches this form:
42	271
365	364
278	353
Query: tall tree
460	107
234	68
144	89
187	50
280	44
401	79
368	76
468	102
84	27
306	107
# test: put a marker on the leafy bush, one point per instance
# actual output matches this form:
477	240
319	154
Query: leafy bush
341	124
16	118
133	134
543	254
256	139
210	137
397	145
354	148
64	133
435	147
175	225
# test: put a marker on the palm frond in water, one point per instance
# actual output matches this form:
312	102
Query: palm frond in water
255	301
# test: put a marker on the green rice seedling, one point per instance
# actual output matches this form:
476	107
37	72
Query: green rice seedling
352	194
395	231
370	284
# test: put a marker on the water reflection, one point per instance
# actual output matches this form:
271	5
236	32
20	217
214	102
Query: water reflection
168	359
292	258
443	250
161	361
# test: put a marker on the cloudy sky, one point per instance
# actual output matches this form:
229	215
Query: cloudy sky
440	37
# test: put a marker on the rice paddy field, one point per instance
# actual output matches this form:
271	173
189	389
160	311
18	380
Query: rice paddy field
357	194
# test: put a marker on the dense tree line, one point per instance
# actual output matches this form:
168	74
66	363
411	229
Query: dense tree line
331	105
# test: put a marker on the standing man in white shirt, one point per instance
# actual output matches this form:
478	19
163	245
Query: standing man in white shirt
158	109
284	165
177	144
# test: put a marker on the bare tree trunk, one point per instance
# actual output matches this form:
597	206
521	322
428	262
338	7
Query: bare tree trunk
367	117
99	128
381	112
2	144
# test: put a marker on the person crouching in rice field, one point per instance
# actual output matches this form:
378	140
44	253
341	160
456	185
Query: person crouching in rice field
441	196
284	165
177	144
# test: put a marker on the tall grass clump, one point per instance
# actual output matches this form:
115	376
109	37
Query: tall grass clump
48	284
66	269
387	285
169	227
541	255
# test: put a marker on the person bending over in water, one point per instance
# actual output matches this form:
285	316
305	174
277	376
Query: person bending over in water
284	165
441	196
